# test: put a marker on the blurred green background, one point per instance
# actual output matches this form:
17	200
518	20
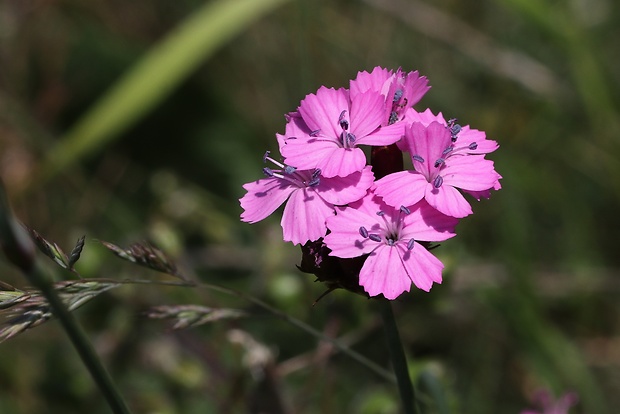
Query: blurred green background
140	120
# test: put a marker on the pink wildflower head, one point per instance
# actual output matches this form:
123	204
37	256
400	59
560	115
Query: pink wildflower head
311	198
334	127
391	238
442	166
545	402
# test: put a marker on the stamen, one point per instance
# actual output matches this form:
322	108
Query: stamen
374	237
410	244
289	170
350	138
316	173
266	158
268	172
418	158
438	181
344	124
439	162
455	129
363	232
397	95
314	182
393	117
405	210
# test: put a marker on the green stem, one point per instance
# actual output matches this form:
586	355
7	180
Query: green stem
80	341
397	355
19	249
278	313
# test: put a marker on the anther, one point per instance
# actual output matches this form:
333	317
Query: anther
314	182
393	117
438	181
344	124
390	242
439	162
374	237
397	95
315	132
268	172
289	170
448	150
473	146
266	156
410	244
363	232
350	138
380	213
417	158
405	210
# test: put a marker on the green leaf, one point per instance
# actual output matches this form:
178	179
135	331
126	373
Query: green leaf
154	77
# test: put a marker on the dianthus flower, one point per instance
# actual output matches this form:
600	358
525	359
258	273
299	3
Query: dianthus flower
443	163
401	90
333	126
391	239
311	198
548	405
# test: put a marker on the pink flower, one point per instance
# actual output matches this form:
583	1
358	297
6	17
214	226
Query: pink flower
334	126
391	238
544	400
401	90
311	198
442	166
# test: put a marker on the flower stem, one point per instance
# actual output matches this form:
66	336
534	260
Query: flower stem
19	250
397	355
80	342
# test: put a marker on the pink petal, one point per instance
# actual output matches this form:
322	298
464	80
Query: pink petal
404	188
383	273
469	172
344	190
422	267
426	223
344	238
367	111
342	162
425	118
296	128
263	197
448	200
305	155
304	217
468	136
373	81
384	135
429	143
321	111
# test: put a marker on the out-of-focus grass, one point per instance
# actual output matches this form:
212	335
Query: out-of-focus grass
531	291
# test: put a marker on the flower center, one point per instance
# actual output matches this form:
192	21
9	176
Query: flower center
390	233
346	138
302	179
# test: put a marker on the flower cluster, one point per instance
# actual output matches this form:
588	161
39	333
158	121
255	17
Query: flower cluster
335	203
